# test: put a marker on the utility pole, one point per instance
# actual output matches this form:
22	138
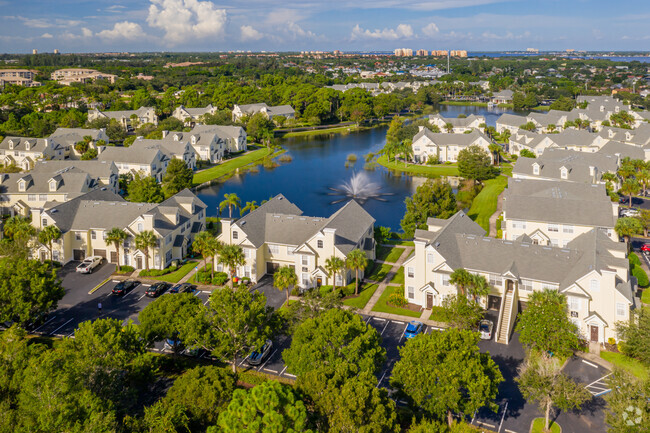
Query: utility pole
447	61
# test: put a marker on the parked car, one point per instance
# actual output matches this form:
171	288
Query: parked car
413	329
124	287
183	288
485	329
257	357
156	289
630	212
89	263
645	248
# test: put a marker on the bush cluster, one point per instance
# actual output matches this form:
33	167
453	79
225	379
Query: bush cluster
158	272
397	299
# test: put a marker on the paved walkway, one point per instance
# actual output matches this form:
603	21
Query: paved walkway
386	281
495	216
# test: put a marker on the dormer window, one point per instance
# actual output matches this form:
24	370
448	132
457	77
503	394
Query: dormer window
628	136
564	173
175	137
22	185
53	185
536	169
194	139
611	133
11	144
27	145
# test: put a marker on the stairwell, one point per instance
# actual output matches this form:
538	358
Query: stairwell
504	318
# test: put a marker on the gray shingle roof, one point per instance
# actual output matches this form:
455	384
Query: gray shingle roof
577	163
459	122
444	139
71	182
35	144
133	155
70	136
94	168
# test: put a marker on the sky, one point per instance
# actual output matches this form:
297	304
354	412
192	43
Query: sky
295	25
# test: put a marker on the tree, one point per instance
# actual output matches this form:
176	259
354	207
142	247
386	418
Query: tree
267	408
116	236
528	126
20	231
518	101
527	153
259	125
392	136
544	326
627	403
207	246
337	341
28	289
145	240
478	287
433	198
449	127
311	304
474	163
47	236
356	261
177	178
81	146
544	382
496	151
250	207
444	373
89	154
563	104
231	200
166	318
461	278
232	256
629	188
644	220
334	265
234	320
635	335
144	190
627	227
284	279
461	312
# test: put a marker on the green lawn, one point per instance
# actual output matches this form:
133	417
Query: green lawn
399	276
399	242
388	254
473	104
420	170
645	297
632	365
379	273
485	203
176	276
323	131
363	298
382	307
538	426
231	165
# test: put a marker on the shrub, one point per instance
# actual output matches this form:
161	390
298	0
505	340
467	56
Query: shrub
397	299
433	160
203	277
352	158
499	234
53	263
246	280
286	158
612	341
634	260
220	278
641	276
125	269
158	272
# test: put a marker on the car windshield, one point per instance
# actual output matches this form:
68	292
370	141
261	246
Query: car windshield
411	327
485	327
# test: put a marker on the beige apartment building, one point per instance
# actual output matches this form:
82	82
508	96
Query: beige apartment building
191	116
126	118
18	77
248	110
460	125
69	137
142	160
104	173
444	146
76	75
278	234
23	152
172	149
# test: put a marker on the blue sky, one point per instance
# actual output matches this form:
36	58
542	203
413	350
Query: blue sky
203	25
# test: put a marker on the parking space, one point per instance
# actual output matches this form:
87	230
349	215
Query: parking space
274	297
593	376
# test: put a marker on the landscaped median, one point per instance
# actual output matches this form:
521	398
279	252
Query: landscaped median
175	276
228	167
382	305
432	171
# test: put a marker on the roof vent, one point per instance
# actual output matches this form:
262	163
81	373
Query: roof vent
243	222
54	211
437	244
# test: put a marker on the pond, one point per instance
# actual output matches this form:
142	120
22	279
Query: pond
313	180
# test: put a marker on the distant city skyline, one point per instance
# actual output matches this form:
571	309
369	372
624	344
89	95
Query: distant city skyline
292	25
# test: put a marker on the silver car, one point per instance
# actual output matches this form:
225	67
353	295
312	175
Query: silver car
89	263
258	356
485	329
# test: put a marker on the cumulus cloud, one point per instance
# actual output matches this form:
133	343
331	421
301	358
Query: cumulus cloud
86	32
402	31
47	36
248	33
294	31
430	29
124	30
184	20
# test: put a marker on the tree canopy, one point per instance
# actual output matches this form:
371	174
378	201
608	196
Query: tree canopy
433	198
475	164
177	178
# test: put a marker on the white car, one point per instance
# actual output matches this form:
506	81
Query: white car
485	328
89	263
630	212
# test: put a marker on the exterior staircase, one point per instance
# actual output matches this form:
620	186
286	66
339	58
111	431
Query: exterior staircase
506	317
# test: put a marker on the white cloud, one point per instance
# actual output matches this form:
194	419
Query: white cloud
184	20
125	30
430	29
115	9
294	31
402	31
47	36
86	32
248	33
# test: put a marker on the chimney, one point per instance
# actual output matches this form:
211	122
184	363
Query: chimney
592	170
164	133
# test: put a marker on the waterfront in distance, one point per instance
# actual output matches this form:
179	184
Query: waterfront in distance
318	166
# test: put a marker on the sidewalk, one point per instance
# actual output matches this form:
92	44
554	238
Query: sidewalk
495	216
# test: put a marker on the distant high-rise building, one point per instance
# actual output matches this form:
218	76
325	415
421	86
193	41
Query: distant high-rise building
439	53
423	53
336	52
34	51
56	51
458	53
532	50
403	52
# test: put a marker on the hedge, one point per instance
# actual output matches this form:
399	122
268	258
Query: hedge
158	272
641	276
125	269
634	260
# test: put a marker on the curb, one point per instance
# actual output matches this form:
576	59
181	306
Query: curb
99	285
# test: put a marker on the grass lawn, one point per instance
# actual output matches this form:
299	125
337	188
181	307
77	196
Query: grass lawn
645	296
323	131
419	170
538	426
473	104
390	255
364	296
399	242
176	276
379	272
632	365
231	165
485	203
399	276
382	307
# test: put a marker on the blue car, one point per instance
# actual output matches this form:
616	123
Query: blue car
413	329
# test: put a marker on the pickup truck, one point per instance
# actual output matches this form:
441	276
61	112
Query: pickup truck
89	263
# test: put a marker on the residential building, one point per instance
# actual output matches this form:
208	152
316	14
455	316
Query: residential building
125	118
502	97
422	53
249	110
18	77
556	212
171	148
459	124
592	271
142	160
23	152
86	220
104	173
69	137
278	234
403	52
445	147
233	138
76	75
191	116
510	122
566	165
208	146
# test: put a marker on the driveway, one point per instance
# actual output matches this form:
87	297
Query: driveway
78	285
274	297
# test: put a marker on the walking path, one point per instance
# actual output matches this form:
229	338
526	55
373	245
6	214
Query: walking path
386	281
495	216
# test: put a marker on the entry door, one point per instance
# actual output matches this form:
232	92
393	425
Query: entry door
113	256
319	281
138	261
594	333
78	255
272	267
429	301
43	256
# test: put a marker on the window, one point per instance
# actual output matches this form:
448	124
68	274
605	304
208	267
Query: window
168	256
594	285
519	225
527	285
411	272
305	260
620	309
564	173
430	258
305	269
42	197
44	222
445	280
274	249
553	228
247	271
235	234
77	236
496	280
574	304
555	242
319	244
536	169
140	227
411	292
567	229
247	253
55	255
305	280
31	197
93	234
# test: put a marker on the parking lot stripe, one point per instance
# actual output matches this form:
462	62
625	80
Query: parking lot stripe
503	416
35	330
242	361
271	371
368	321
403	332
267	360
590	364
146	285
379	318
61	326
398	322
382	376
385	326
142	296
509	431
485	424
596	381
206	302
291	375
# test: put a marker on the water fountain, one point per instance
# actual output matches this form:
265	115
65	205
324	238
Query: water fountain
360	188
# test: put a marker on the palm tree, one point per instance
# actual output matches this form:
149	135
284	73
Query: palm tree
250	207
231	200
284	279
18	228
461	278
628	227
334	265
356	261
643	176
116	236
495	149
47	236
551	127
479	287
629	188
213	248
201	245
232	256
145	240
449	127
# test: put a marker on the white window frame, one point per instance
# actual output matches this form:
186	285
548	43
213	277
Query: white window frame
620	309
430	258
594	285
410	290
410	272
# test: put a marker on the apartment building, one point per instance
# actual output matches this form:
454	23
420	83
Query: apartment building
69	137
459	125
104	173
232	139
566	165
142	160
446	147
249	110
78	75
190	116
23	152
126	118
18	77
178	149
